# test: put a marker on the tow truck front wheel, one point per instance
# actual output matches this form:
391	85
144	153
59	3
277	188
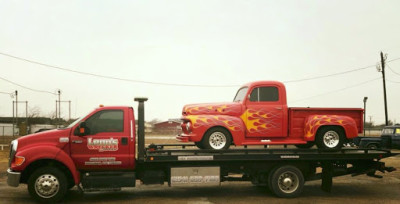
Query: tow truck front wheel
217	138
330	138
47	185
286	181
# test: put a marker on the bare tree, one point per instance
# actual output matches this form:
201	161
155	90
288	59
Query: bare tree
154	121
34	112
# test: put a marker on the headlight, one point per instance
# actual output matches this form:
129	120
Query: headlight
14	145
188	126
13	151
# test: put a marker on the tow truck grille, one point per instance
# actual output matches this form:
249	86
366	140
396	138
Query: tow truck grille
11	156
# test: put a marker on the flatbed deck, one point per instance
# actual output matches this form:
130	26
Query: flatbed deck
162	153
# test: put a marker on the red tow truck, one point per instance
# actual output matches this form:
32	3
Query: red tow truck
259	115
98	152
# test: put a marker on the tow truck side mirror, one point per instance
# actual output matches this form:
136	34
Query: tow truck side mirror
82	129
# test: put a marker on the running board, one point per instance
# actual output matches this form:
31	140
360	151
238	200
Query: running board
272	142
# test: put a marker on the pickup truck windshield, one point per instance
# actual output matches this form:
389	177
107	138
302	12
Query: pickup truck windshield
240	94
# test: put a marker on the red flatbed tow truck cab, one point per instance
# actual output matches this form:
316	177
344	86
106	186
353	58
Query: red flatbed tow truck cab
259	115
98	152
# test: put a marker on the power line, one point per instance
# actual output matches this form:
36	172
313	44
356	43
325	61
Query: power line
338	90
329	75
111	77
397	82
5	93
393	59
392	69
22	86
174	84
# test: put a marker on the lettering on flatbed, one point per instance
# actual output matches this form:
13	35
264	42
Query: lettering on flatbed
290	157
195	158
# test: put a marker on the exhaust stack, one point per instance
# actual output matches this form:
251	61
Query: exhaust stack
140	131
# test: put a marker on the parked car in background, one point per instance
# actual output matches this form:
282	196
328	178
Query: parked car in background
389	139
43	129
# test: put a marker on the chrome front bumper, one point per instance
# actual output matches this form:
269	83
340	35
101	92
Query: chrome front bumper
13	178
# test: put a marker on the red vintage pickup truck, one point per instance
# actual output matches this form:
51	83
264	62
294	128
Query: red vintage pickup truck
259	115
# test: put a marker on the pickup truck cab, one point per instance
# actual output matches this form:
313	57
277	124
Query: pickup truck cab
259	115
390	139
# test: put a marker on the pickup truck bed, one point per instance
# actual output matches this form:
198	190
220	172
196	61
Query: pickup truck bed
297	117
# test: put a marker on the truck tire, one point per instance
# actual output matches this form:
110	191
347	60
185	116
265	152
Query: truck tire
217	138
286	181
372	146
47	185
330	138
199	145
305	146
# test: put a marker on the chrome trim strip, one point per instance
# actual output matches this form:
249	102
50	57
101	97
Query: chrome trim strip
131	131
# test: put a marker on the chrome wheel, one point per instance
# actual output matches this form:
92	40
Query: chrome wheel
217	140
47	185
288	182
331	139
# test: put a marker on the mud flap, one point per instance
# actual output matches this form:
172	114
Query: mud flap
327	174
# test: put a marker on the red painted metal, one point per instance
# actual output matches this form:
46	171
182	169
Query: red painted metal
75	153
268	122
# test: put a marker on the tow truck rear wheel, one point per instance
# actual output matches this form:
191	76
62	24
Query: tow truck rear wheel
286	181
47	185
217	138
330	138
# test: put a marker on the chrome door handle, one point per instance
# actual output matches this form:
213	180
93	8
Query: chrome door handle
278	108
77	141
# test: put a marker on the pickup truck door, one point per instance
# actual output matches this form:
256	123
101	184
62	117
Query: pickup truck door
264	115
108	144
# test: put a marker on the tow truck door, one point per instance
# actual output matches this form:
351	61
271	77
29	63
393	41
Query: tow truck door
107	145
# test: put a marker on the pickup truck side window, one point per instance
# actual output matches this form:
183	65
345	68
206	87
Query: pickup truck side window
387	131
106	121
270	93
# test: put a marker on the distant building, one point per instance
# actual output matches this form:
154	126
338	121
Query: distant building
148	127
8	126
170	126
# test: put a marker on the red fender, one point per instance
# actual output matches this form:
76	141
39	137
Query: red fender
47	152
314	122
202	123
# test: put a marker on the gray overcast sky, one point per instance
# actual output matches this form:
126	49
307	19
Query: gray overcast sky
198	42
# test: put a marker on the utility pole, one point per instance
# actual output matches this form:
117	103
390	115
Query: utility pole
59	103
15	105
69	108
384	88
58	107
16	108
